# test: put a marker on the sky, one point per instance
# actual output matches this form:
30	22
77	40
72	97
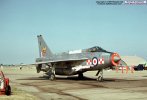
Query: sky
70	25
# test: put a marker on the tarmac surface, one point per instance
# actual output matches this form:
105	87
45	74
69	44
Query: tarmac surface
28	85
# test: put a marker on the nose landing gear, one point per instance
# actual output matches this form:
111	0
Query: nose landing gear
100	75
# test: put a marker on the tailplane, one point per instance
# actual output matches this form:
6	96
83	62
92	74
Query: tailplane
44	51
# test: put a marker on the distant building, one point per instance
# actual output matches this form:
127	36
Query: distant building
1	66
133	60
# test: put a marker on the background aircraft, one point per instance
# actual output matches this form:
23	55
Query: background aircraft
75	62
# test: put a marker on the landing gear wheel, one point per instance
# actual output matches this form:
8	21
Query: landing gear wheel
51	73
52	77
100	79
8	90
100	75
80	76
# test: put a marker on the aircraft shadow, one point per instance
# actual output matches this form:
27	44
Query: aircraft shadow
144	76
71	78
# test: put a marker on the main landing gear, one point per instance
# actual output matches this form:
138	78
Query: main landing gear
51	73
100	75
80	76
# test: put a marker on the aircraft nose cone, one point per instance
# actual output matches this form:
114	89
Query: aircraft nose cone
116	59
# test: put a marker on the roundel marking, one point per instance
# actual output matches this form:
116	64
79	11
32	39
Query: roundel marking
94	61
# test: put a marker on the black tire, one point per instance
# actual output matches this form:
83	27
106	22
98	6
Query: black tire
8	90
100	79
52	77
80	76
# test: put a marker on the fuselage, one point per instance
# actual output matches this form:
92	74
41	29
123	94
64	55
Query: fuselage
79	61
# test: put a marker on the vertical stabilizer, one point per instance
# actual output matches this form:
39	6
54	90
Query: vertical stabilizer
44	51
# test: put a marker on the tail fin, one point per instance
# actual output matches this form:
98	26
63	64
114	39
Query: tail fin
44	51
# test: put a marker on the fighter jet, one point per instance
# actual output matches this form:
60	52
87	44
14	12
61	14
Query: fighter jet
75	62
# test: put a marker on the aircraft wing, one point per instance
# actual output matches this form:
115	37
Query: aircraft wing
59	61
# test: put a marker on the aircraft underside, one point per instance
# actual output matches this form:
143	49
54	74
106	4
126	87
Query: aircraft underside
52	71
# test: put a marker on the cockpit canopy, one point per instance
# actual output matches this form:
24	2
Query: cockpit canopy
96	49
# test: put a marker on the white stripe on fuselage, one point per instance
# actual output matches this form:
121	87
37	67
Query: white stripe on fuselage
78	68
75	51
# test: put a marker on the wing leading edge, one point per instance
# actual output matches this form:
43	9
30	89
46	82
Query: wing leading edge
58	61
